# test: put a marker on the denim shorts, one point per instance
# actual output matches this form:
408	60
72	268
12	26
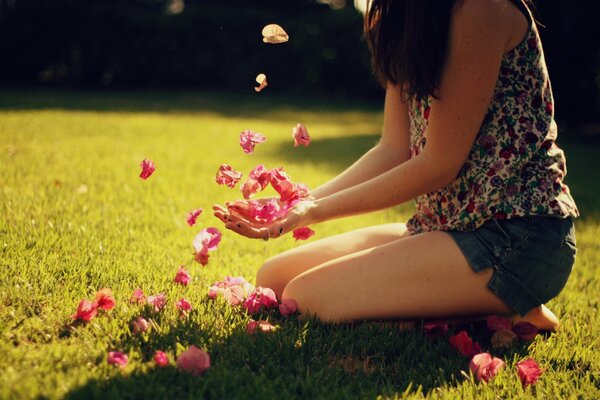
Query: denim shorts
532	257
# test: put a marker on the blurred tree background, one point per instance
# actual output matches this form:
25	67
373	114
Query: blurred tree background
217	45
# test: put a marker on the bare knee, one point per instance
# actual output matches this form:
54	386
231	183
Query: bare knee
270	275
309	303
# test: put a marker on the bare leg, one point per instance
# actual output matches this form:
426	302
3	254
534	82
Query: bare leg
422	276
279	270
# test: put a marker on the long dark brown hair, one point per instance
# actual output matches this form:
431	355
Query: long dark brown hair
409	42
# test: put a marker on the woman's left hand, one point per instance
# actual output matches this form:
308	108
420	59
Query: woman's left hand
297	217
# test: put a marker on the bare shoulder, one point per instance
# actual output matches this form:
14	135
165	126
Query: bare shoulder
487	22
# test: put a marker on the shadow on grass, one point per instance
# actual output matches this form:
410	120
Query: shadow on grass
302	359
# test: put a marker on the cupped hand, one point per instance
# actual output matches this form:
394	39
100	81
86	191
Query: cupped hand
237	219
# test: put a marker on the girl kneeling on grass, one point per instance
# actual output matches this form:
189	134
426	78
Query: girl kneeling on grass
469	133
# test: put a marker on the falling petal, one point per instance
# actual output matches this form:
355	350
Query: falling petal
261	79
303	233
300	135
249	139
193	216
274	34
228	176
148	168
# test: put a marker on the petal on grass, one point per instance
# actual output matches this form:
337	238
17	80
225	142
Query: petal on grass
435	328
529	371
259	326
464	344
86	310
161	359
194	361
288	307
183	276
105	299
157	301
138	297
498	322
485	367
117	358
140	325
503	339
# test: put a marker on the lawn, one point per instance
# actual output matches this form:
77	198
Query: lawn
75	217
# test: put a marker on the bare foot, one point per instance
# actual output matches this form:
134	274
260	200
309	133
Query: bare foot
541	317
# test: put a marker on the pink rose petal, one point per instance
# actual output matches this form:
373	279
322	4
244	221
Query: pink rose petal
157	301
148	168
140	325
503	339
233	289
464	344
288	307
485	367
194	361
138	296
525	331
303	233
202	258
161	359
117	358
183	276
258	180
436	328
206	240
300	135
228	176
86	310
259	326
234	295
184	306
249	139
105	299
289	191
529	371
498	322
193	216
260	298
261	79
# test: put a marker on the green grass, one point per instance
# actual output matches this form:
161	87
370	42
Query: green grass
59	244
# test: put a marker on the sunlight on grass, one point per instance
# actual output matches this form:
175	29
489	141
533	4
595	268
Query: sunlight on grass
75	217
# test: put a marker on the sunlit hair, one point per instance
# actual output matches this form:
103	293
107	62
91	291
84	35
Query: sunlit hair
409	42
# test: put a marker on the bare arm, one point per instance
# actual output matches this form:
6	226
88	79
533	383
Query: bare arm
391	151
477	43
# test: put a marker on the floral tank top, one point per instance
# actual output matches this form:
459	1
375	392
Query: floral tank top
515	167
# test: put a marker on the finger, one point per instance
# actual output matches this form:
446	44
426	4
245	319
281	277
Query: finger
223	216
247	230
218	207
